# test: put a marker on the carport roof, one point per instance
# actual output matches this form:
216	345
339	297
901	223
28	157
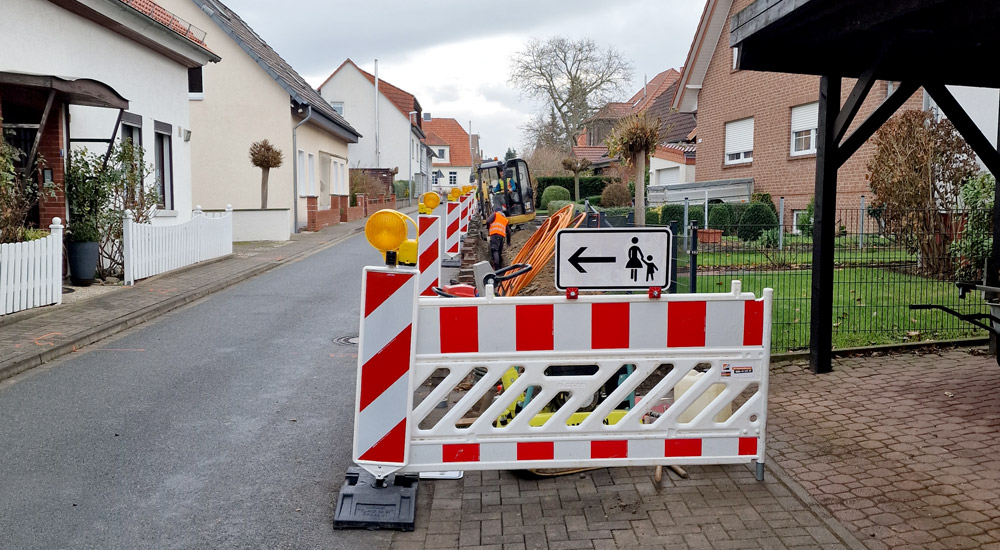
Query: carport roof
925	40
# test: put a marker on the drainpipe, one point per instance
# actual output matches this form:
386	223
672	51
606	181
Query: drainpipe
295	168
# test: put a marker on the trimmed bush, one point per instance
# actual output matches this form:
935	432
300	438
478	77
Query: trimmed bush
595	200
555	205
675	212
766	199
401	188
756	218
616	194
720	216
589	185
805	225
653	216
554	193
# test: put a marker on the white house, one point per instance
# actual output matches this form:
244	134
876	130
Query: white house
392	127
79	73
254	95
452	151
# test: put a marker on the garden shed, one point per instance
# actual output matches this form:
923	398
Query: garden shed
929	44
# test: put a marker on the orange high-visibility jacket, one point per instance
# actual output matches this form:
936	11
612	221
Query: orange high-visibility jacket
499	225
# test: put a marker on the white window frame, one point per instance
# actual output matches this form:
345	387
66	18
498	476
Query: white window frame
163	163
736	57
738	147
312	174
337	106
301	183
795	220
804	121
452	178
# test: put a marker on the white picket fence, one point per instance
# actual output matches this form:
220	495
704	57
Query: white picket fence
154	249
31	272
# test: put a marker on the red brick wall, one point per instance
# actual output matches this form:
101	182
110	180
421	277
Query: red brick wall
339	203
728	95
51	148
317	219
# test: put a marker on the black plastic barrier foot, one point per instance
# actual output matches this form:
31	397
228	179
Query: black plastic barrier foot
367	503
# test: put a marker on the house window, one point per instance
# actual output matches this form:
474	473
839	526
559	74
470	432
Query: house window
312	174
452	178
301	179
196	85
163	165
739	141
131	128
797	215
343	179
338	106
804	123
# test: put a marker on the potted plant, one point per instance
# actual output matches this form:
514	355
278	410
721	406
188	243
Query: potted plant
87	196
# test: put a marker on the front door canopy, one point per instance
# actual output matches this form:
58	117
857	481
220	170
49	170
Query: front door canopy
82	91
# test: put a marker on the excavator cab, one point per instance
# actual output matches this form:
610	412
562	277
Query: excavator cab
509	182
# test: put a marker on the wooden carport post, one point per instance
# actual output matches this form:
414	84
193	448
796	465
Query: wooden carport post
825	214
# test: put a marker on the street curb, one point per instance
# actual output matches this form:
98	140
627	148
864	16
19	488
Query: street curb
141	316
824	515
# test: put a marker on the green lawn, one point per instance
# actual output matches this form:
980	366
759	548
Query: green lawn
870	306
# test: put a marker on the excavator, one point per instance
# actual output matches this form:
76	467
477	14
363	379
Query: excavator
509	182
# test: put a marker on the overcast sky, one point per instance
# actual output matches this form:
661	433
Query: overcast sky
454	54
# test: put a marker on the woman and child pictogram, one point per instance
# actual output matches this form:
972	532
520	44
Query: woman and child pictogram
636	262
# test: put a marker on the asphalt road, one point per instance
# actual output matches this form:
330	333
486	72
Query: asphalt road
226	424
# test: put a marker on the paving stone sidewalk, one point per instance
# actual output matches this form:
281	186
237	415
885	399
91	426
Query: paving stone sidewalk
30	338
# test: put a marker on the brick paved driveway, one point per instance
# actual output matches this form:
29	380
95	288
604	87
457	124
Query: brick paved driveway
896	451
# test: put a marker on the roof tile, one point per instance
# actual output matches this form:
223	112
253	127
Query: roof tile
453	135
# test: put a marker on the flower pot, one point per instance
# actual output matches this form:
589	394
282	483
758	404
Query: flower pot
710	236
83	259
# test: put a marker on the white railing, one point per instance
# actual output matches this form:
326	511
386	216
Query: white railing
31	272
154	249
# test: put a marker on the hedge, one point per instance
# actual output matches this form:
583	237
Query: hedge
675	212
554	193
589	185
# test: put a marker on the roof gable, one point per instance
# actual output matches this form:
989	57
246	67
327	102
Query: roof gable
706	38
453	135
652	90
403	101
273	64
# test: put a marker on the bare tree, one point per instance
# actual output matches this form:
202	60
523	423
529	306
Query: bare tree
576	166
574	78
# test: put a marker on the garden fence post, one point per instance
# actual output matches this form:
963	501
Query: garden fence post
706	210
861	230
672	288
687	242
127	252
694	257
56	232
781	223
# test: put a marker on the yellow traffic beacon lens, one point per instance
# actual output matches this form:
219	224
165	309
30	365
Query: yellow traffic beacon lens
467	188
385	230
430	199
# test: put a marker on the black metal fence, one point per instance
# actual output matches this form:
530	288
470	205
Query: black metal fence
883	263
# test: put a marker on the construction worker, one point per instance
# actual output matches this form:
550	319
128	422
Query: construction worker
497	222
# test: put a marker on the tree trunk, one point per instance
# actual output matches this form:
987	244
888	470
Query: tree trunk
576	186
263	187
640	189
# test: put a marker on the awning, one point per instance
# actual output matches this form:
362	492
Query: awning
82	91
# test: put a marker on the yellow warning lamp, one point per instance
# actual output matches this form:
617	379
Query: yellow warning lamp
428	202
467	188
454	194
386	231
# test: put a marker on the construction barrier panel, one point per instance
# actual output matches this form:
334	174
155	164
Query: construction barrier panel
466	204
429	253
453	237
552	382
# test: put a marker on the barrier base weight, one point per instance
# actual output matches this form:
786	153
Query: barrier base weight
366	503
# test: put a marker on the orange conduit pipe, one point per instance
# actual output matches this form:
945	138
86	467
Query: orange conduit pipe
540	248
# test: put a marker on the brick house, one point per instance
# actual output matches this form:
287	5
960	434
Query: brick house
122	69
761	127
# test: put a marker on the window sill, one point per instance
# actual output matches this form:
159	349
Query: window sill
736	165
199	96
793	156
166	213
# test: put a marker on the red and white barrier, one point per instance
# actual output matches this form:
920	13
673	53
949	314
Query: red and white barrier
453	240
385	361
466	205
715	346
429	253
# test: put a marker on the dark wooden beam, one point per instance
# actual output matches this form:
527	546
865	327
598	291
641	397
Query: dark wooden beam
41	128
824	228
114	133
875	120
853	104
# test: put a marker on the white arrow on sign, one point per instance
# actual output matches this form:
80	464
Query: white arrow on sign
613	259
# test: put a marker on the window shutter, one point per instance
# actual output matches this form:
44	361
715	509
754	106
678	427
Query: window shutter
739	136
805	117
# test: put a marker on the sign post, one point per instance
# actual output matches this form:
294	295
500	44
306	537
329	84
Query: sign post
613	259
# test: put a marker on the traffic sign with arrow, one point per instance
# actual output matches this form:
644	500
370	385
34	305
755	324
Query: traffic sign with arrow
613	259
